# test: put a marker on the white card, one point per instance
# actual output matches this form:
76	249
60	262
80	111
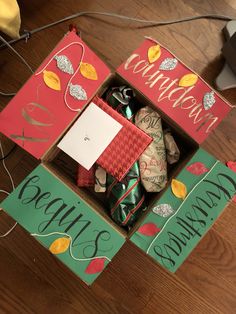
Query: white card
89	136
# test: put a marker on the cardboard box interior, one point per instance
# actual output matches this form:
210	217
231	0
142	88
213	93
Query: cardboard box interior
64	167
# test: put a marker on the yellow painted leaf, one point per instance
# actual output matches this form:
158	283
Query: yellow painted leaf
154	53
179	189
188	80
60	245
52	80
88	71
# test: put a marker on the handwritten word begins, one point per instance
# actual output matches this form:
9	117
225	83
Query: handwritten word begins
60	213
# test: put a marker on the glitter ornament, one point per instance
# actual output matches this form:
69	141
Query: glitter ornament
208	100
168	64
64	64
77	92
163	210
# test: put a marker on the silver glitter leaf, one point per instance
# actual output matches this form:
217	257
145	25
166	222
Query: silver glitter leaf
168	64
64	64
208	100
163	210
77	92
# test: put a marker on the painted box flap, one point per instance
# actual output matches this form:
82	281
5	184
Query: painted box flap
64	223
175	89
53	96
174	226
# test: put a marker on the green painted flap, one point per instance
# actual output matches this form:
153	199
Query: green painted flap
174	226
61	221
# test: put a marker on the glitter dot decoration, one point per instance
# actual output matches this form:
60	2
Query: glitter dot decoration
64	64
77	92
209	100
163	210
168	64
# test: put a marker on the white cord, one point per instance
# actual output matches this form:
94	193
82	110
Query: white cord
9	231
71	253
3	191
5	167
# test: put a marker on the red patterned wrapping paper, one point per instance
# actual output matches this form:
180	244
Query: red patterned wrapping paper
85	178
125	148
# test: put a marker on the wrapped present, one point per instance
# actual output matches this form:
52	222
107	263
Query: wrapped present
100	180
172	150
126	147
85	178
153	165
125	198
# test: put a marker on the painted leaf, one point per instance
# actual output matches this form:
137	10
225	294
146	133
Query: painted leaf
197	168
163	210
232	165
88	71
52	80
95	266
188	80
149	229
60	245
234	199
77	92
154	53
208	100
64	64
178	188
168	64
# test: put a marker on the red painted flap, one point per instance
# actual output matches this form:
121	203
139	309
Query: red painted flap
53	96
175	89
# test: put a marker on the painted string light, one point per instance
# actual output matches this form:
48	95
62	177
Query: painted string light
176	212
168	64
209	100
188	79
64	64
63	243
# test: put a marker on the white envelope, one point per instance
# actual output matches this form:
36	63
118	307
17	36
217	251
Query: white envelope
89	136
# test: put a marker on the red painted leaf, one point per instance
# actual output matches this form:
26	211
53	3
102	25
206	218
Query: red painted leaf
197	168
149	229
231	165
95	266
234	198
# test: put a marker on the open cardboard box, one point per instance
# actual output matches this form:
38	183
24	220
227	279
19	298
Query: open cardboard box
64	167
81	221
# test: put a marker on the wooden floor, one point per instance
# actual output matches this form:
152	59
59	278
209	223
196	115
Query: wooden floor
31	279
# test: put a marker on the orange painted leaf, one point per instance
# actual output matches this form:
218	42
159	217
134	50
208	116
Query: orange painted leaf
154	53
232	165
197	168
149	229
52	80
88	71
179	189
188	80
95	266
60	245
